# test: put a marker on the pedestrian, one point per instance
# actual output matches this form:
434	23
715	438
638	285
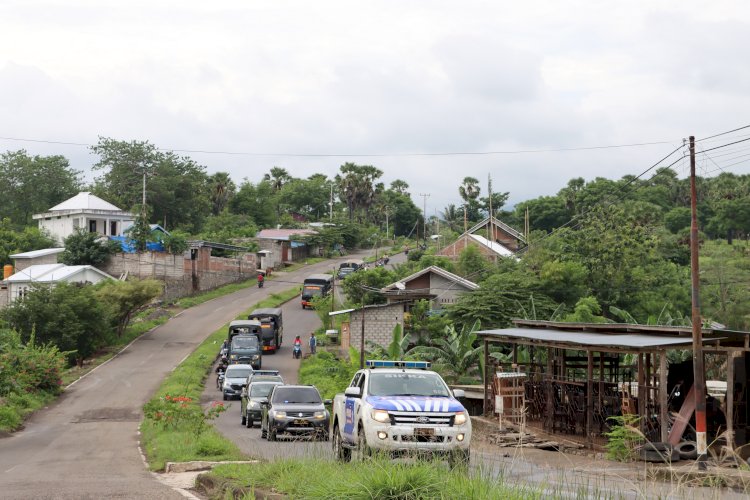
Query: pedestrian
313	343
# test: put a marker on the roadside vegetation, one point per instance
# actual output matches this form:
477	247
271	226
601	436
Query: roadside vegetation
378	478
174	428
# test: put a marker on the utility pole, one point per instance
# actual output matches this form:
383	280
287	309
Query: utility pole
386	224
333	296
424	216
699	375
362	339
490	238
330	205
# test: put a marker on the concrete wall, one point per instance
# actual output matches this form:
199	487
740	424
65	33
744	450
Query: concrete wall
181	275
22	264
62	226
446	290
379	324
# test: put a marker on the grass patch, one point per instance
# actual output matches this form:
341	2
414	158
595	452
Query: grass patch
328	373
200	298
176	444
15	406
381	479
307	262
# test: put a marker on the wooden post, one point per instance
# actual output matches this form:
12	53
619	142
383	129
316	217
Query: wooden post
590	400
486	377
550	396
648	384
664	428
641	391
730	400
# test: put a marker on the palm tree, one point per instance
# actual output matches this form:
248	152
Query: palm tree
278	177
455	351
452	217
222	188
469	191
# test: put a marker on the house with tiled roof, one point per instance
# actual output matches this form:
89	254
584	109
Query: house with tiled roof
87	211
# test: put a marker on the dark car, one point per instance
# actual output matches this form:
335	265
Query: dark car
254	394
296	410
344	272
245	349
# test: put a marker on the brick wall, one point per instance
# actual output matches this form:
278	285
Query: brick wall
379	324
183	276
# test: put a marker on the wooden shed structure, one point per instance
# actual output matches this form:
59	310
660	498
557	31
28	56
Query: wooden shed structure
579	375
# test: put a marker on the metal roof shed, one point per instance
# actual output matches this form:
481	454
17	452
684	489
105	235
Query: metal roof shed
576	383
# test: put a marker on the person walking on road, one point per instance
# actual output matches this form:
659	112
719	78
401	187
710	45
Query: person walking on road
313	343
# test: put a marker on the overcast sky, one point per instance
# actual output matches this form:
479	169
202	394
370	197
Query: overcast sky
381	78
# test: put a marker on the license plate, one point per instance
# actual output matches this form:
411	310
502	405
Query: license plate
424	431
300	422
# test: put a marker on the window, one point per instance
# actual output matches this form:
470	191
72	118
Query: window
355	380
113	228
92	226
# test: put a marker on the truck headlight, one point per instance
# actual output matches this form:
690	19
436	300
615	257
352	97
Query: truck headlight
253	404
320	415
279	414
380	416
233	356
460	418
256	357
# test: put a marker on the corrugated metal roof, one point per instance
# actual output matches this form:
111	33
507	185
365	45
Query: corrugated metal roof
37	253
492	245
282	234
50	273
631	340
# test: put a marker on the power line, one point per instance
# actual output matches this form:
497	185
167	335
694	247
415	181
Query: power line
363	155
723	133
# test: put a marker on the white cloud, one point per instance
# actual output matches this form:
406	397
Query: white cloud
382	77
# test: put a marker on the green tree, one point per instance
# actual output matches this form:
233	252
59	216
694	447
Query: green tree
363	286
16	241
456	352
86	248
34	185
256	201
358	188
471	263
123	299
469	191
68	316
221	190
176	242
677	218
587	310
177	188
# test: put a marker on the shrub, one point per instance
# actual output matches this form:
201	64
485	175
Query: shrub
623	438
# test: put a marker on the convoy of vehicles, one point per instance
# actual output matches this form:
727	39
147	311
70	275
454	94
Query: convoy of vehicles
316	285
398	408
272	327
296	410
235	378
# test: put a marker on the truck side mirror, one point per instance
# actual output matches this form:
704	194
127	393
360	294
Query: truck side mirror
353	392
459	393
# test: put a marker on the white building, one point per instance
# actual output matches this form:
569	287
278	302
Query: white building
19	283
84	210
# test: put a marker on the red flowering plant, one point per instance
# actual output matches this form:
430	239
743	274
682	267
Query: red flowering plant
181	412
29	367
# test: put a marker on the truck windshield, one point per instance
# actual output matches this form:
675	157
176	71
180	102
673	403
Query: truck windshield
244	342
407	384
312	291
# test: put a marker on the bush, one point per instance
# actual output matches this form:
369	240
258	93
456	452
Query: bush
624	438
328	373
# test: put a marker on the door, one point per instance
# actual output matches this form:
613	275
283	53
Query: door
92	226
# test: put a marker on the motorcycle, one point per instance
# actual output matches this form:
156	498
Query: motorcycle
260	284
297	351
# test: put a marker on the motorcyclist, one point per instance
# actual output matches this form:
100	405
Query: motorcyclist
261	279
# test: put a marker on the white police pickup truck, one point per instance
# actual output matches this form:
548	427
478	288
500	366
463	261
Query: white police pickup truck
400	408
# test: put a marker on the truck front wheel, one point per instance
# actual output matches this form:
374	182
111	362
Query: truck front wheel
342	453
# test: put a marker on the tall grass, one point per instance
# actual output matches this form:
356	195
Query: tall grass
374	479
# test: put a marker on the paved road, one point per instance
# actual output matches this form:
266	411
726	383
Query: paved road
296	322
86	444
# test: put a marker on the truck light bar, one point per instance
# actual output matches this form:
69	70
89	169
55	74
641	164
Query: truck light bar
379	363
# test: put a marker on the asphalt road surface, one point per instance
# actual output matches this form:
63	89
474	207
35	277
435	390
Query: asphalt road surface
296	322
85	445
